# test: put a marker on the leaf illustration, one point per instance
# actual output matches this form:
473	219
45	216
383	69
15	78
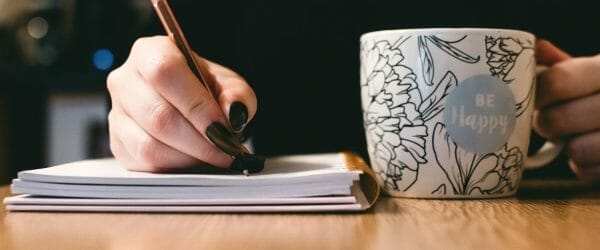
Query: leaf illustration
400	41
466	163
447	47
426	61
433	105
484	175
444	150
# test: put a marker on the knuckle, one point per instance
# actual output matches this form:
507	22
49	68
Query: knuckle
162	119
137	44
198	108
113	79
162	70
140	43
147	153
161	60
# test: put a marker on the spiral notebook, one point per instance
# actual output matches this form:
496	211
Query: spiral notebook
300	183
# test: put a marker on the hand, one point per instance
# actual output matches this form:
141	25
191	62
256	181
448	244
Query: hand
568	105
162	117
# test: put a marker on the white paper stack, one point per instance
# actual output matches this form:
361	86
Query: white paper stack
319	182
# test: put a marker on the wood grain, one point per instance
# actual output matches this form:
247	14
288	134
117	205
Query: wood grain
558	214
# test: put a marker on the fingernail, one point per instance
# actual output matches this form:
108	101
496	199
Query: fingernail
238	116
252	163
223	139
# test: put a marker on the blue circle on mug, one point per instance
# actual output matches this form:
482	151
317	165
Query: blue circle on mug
480	114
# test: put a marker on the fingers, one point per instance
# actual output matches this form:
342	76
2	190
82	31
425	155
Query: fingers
571	117
159	119
583	149
166	108
163	67
139	151
235	97
567	94
548	54
567	80
568	97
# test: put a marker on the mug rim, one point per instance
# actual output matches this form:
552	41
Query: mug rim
444	30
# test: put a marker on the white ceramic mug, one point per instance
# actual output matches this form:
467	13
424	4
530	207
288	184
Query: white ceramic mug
447	111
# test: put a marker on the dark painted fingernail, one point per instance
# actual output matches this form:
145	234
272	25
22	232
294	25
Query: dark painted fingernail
250	162
223	139
238	116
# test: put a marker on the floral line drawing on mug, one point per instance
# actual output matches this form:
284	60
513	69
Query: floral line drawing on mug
397	112
446	46
505	53
389	111
447	112
392	103
492	173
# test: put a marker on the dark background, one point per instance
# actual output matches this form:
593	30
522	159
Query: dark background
301	58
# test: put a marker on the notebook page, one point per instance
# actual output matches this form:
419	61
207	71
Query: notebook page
278	170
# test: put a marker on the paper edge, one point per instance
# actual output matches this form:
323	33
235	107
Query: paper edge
362	204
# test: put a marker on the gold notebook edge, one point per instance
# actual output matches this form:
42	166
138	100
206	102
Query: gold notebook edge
368	180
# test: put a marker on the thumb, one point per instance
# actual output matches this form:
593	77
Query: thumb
548	54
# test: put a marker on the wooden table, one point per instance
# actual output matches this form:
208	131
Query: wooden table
556	214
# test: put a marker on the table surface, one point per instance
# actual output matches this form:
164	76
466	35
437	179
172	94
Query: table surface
545	214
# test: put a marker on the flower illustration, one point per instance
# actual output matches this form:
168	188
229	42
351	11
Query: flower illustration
396	113
505	53
510	162
390	105
469	173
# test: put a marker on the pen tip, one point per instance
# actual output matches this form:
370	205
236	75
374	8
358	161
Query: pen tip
248	163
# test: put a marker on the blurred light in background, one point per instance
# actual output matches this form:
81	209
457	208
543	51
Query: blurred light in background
37	27
103	59
54	58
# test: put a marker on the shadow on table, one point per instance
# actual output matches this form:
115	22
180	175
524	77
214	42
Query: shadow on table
556	189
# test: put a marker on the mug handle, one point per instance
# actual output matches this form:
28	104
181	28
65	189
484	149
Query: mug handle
550	150
545	155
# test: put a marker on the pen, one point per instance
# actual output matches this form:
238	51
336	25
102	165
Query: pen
244	161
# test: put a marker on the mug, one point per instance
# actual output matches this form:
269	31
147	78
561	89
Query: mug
447	112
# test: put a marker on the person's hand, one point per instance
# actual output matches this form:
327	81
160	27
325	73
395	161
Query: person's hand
568	106
163	118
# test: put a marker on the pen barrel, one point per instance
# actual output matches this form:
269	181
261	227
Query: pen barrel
174	32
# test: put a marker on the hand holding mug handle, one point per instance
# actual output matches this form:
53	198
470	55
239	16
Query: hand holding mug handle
551	148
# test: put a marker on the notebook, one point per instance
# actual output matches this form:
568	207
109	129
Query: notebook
300	183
